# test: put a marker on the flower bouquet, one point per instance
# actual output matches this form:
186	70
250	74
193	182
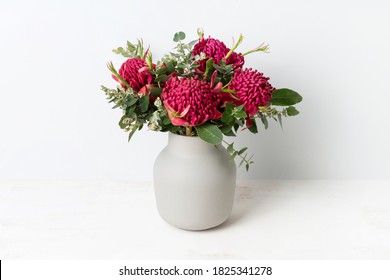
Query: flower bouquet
200	89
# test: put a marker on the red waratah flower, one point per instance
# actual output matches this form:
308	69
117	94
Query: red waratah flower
217	50
190	102
136	73
252	89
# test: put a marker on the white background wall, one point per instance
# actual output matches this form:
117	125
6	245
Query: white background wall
55	123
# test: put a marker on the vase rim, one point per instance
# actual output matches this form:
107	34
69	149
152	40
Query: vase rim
175	134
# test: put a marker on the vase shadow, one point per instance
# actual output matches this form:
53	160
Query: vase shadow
247	200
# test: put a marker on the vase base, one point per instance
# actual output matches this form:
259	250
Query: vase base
197	227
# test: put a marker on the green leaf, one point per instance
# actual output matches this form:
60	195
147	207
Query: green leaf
209	133
253	128
156	91
130	110
232	156
291	111
179	36
124	122
182	35
192	43
240	115
285	97
264	121
130	46
161	70
280	121
209	67
230	148
170	66
131	100
229	133
227	130
144	103
226	116
161	79
166	121
209	63
241	162
240	108
242	151
222	69
229	107
132	131
111	67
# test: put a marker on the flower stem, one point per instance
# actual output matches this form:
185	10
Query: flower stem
188	130
235	46
262	48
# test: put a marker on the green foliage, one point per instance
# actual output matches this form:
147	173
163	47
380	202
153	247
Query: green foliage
244	159
285	97
291	111
179	36
139	110
131	50
209	133
156	91
144	103
253	128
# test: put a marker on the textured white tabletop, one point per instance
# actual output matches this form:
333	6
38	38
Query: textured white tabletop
270	220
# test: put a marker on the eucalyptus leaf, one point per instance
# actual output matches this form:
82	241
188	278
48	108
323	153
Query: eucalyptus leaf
144	103
264	121
132	131
291	111
232	156
131	100
241	162
179	36
280	121
130	110
125	121
209	133
230	148
242	151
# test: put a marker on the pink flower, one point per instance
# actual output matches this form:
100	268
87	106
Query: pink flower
217	50
190	102
136	73
252	89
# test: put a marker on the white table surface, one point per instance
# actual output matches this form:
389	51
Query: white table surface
270	220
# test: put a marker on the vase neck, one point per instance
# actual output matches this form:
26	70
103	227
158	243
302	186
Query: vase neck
188	145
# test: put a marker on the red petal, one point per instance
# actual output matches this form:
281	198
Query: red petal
213	77
179	122
218	87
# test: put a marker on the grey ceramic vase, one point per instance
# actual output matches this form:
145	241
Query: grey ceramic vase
194	183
